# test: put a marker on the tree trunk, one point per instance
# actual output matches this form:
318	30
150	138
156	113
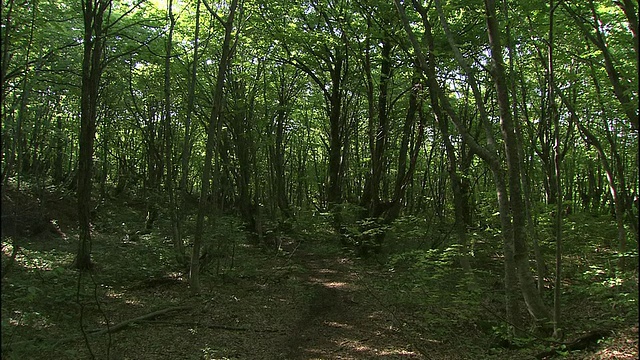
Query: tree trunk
168	146
334	189
621	89
186	145
533	300
93	45
216	110
379	141
557	158
488	154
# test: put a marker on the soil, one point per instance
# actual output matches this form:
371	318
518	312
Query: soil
307	299
313	307
341	321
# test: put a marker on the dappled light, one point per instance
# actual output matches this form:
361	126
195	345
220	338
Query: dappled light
338	325
335	285
319	179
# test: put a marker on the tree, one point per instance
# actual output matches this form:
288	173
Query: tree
625	91
531	297
214	119
512	207
94	39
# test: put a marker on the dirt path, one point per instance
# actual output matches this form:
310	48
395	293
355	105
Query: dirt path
343	320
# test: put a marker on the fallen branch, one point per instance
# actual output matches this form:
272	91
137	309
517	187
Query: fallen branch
212	326
122	325
581	343
110	329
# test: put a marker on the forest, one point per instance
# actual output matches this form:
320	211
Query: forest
319	179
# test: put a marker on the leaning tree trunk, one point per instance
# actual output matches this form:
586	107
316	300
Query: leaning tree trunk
622	88
489	154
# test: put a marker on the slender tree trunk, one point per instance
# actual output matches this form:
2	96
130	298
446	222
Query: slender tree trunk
8	145
405	173
216	110
22	162
334	190
533	300
490	156
557	328
367	193
526	189
186	145
104	172
7	31
379	141
168	134
630	11
60	146
285	93
621	88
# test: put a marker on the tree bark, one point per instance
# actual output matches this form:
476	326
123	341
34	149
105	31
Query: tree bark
557	159
168	136
186	145
379	140
93	45
488	154
533	300
216	110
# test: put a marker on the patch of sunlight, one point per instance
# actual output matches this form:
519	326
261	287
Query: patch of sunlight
320	352
33	260
213	354
335	284
358	346
396	352
338	325
619	355
115	295
175	275
613	282
31	319
376	315
7	248
133	301
327	271
355	345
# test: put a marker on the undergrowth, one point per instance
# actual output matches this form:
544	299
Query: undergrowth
415	279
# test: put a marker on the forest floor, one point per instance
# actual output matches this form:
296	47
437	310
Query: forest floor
302	297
